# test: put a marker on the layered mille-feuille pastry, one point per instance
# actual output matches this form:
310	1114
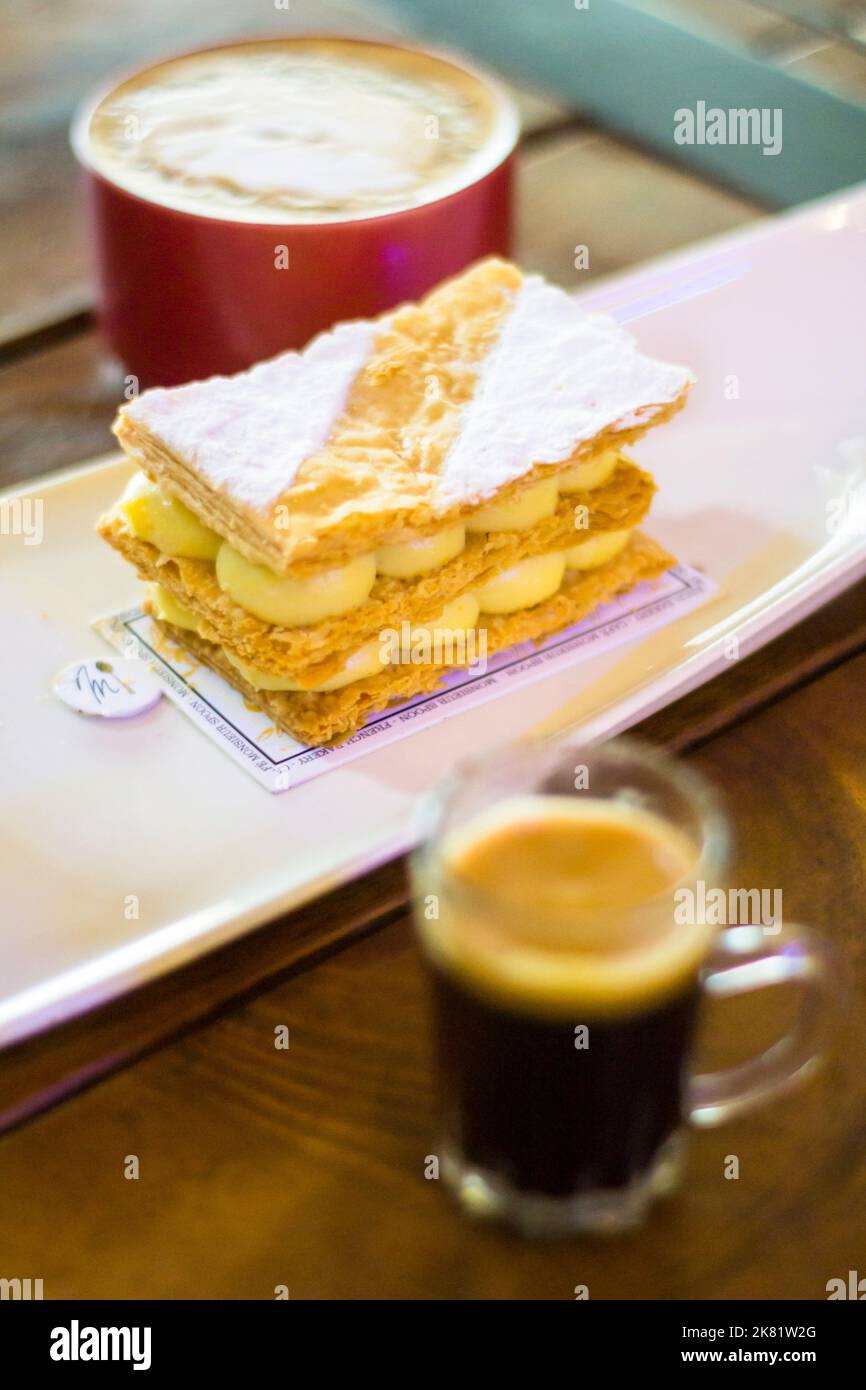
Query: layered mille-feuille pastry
457	466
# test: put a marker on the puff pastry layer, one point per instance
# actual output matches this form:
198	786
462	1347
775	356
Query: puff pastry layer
621	503
387	430
317	719
380	434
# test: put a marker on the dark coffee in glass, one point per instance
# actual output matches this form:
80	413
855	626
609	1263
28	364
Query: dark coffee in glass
553	891
556	1119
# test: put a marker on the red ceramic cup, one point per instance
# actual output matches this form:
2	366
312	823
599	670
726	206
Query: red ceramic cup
182	295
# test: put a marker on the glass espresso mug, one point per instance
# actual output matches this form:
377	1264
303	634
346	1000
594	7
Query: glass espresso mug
560	897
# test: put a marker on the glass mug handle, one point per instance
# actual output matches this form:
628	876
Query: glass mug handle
746	959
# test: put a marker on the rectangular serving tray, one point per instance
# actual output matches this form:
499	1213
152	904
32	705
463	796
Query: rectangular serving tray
129	848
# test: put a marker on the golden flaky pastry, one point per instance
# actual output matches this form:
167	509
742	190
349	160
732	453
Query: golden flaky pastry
621	503
389	429
322	718
454	462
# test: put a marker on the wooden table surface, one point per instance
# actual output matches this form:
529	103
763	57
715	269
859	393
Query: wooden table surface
305	1167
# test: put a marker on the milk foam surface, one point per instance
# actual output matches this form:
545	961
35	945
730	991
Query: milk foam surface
305	130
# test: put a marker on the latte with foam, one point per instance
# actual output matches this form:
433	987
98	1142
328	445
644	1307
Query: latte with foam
302	130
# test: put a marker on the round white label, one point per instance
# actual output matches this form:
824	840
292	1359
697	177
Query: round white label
112	687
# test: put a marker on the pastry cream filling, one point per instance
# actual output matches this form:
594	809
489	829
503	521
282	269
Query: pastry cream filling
456	618
460	614
523	585
532	505
166	606
585	476
286	601
597	550
533	580
361	664
166	522
414	558
369	660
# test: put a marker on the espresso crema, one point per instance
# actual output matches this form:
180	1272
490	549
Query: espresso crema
298	131
551	904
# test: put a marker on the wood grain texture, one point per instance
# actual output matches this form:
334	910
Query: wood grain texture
56	407
584	188
305	1167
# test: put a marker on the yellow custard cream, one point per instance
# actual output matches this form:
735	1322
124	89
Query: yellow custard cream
298	130
166	522
288	601
456	619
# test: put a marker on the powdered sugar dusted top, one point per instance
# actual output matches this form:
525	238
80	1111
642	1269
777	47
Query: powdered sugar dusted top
555	378
523	376
248	435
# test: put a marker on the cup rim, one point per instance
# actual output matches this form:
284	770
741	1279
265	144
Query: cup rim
502	144
713	852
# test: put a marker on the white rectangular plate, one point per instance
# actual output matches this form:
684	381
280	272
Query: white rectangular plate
128	848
